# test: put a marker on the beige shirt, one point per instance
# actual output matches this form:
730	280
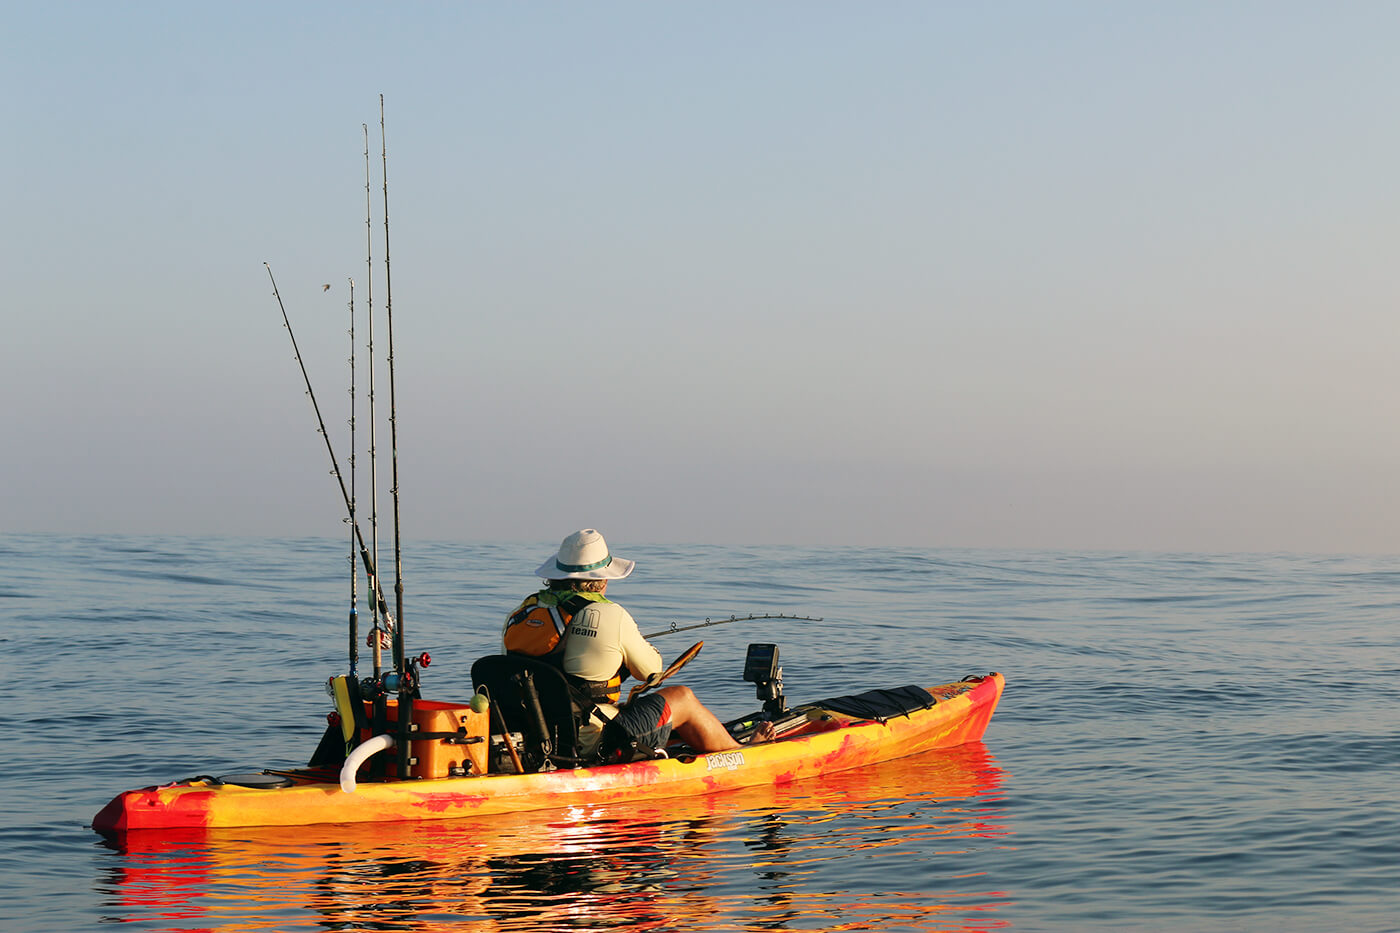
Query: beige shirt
603	638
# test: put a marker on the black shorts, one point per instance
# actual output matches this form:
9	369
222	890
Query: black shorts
643	725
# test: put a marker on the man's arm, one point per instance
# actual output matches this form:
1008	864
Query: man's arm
638	654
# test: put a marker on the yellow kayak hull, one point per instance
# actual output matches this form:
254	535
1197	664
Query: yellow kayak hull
833	743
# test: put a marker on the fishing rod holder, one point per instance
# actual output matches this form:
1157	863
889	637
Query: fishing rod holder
761	669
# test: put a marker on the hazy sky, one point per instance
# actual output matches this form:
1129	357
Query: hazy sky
1081	275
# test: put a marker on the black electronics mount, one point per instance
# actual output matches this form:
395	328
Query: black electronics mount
761	669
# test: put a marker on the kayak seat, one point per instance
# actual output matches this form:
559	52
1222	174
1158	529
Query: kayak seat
534	700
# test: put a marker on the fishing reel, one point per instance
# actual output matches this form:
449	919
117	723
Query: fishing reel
390	682
761	669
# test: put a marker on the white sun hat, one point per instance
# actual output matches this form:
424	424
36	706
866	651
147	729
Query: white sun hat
584	555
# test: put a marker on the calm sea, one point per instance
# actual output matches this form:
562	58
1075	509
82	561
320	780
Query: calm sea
1186	742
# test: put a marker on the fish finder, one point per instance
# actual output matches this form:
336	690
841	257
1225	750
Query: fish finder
761	669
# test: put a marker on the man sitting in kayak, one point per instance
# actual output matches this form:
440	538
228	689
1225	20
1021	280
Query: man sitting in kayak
573	625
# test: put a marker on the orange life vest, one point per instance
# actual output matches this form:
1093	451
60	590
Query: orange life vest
539	627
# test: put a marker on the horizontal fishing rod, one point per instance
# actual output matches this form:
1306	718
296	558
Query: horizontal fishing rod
708	622
335	464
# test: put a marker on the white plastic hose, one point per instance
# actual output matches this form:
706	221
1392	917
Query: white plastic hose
359	756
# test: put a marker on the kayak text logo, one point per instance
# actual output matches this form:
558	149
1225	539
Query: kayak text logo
728	760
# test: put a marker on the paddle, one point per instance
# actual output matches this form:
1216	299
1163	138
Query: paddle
656	679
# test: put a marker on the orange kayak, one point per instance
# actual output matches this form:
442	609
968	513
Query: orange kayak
830	736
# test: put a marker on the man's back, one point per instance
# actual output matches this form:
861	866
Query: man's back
603	639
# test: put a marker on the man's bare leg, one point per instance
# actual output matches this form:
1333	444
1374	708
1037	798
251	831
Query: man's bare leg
699	728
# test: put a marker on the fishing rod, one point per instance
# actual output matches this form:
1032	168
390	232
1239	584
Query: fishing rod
406	673
708	622
354	573
373	419
393	409
375	589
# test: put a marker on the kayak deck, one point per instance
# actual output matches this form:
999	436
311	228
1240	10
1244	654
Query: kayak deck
824	737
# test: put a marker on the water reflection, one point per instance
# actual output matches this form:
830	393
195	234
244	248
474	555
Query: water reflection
894	846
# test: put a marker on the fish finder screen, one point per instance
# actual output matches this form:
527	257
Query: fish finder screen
761	664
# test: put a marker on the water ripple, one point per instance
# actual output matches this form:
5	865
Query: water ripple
1202	742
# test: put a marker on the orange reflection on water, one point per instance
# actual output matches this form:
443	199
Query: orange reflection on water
832	853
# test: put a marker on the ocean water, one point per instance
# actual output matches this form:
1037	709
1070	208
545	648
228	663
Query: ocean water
1186	742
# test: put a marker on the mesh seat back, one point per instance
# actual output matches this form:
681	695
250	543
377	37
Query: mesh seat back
499	674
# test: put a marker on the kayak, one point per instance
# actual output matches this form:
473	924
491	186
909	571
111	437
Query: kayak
592	867
389	756
828	736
